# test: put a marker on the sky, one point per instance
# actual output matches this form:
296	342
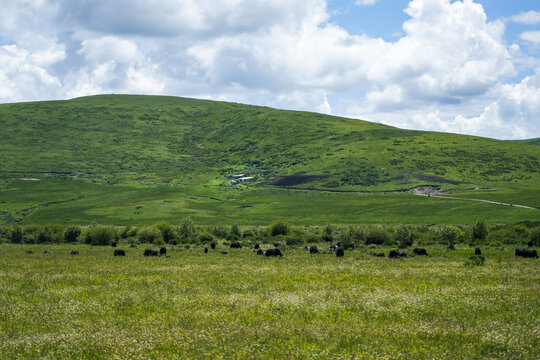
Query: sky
468	67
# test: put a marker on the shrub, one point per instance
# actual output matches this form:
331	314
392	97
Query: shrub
167	232
403	236
186	230
206	237
248	234
353	235
220	231
45	235
535	236
149	234
16	235
280	228
100	235
449	235
72	234
295	240
124	233
232	237
377	235
480	230
235	230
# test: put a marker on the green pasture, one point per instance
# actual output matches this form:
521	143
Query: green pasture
244	306
66	201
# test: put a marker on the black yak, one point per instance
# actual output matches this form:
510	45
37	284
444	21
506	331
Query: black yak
273	252
419	251
313	249
119	252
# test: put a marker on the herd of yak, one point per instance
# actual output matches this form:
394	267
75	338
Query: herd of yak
338	249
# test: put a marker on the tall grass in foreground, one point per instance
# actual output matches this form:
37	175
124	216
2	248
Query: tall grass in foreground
240	305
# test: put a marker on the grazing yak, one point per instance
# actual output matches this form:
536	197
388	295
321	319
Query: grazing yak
273	252
313	249
150	252
162	251
260	252
46	252
74	252
206	250
526	253
477	251
119	252
224	252
377	254
333	248
419	251
256	246
114	244
340	252
213	245
235	245
394	254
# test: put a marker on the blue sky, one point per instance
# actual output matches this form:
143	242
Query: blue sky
470	67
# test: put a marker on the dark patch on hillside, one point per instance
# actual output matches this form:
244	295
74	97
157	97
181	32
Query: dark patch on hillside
293	180
434	178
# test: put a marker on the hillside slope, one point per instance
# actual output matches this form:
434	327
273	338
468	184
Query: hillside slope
168	139
140	159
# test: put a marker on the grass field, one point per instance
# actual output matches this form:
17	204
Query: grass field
82	202
240	305
138	159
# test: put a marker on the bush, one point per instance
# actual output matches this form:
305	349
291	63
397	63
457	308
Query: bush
150	234
449	235
480	230
220	231
353	235
377	235
248	234
235	230
167	232
280	228
72	234
295	240
16	235
206	237
186	230
403	236
535	236
45	235
124	233
100	235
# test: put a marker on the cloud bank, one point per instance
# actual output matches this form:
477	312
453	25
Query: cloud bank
449	71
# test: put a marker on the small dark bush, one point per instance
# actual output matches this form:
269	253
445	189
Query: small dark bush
479	230
99	235
206	237
280	228
72	233
377	235
16	235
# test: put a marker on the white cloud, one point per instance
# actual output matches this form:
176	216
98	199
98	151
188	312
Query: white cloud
24	76
528	18
531	36
365	2
281	53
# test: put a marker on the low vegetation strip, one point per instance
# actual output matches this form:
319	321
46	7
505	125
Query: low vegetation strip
240	305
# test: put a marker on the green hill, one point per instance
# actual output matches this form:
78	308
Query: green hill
535	141
110	143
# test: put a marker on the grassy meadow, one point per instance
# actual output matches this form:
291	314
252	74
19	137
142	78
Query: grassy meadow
240	305
125	160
